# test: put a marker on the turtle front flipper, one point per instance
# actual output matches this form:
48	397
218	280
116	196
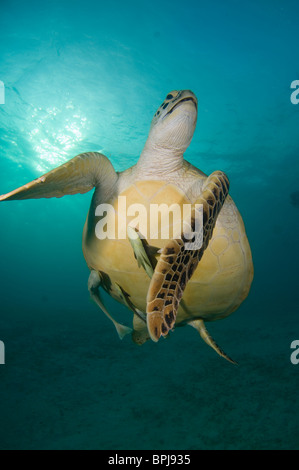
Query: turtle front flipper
177	264
78	175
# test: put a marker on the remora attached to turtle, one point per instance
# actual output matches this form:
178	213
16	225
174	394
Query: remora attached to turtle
160	281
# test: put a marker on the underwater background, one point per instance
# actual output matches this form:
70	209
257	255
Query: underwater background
88	76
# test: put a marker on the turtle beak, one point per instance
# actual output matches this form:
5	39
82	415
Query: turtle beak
182	97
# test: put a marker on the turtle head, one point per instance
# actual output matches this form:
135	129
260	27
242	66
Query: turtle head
174	122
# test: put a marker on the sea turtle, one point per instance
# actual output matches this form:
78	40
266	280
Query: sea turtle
146	270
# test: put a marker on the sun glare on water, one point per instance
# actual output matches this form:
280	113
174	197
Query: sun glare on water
55	133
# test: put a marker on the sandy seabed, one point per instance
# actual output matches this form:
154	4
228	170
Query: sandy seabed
70	383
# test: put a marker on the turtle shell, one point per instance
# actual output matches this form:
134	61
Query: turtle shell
222	279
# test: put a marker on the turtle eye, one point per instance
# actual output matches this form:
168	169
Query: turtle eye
169	97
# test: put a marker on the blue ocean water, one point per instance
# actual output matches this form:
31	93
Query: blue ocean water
88	76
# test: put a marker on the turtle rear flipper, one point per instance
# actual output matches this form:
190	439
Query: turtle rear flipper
201	328
94	283
79	175
177	264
